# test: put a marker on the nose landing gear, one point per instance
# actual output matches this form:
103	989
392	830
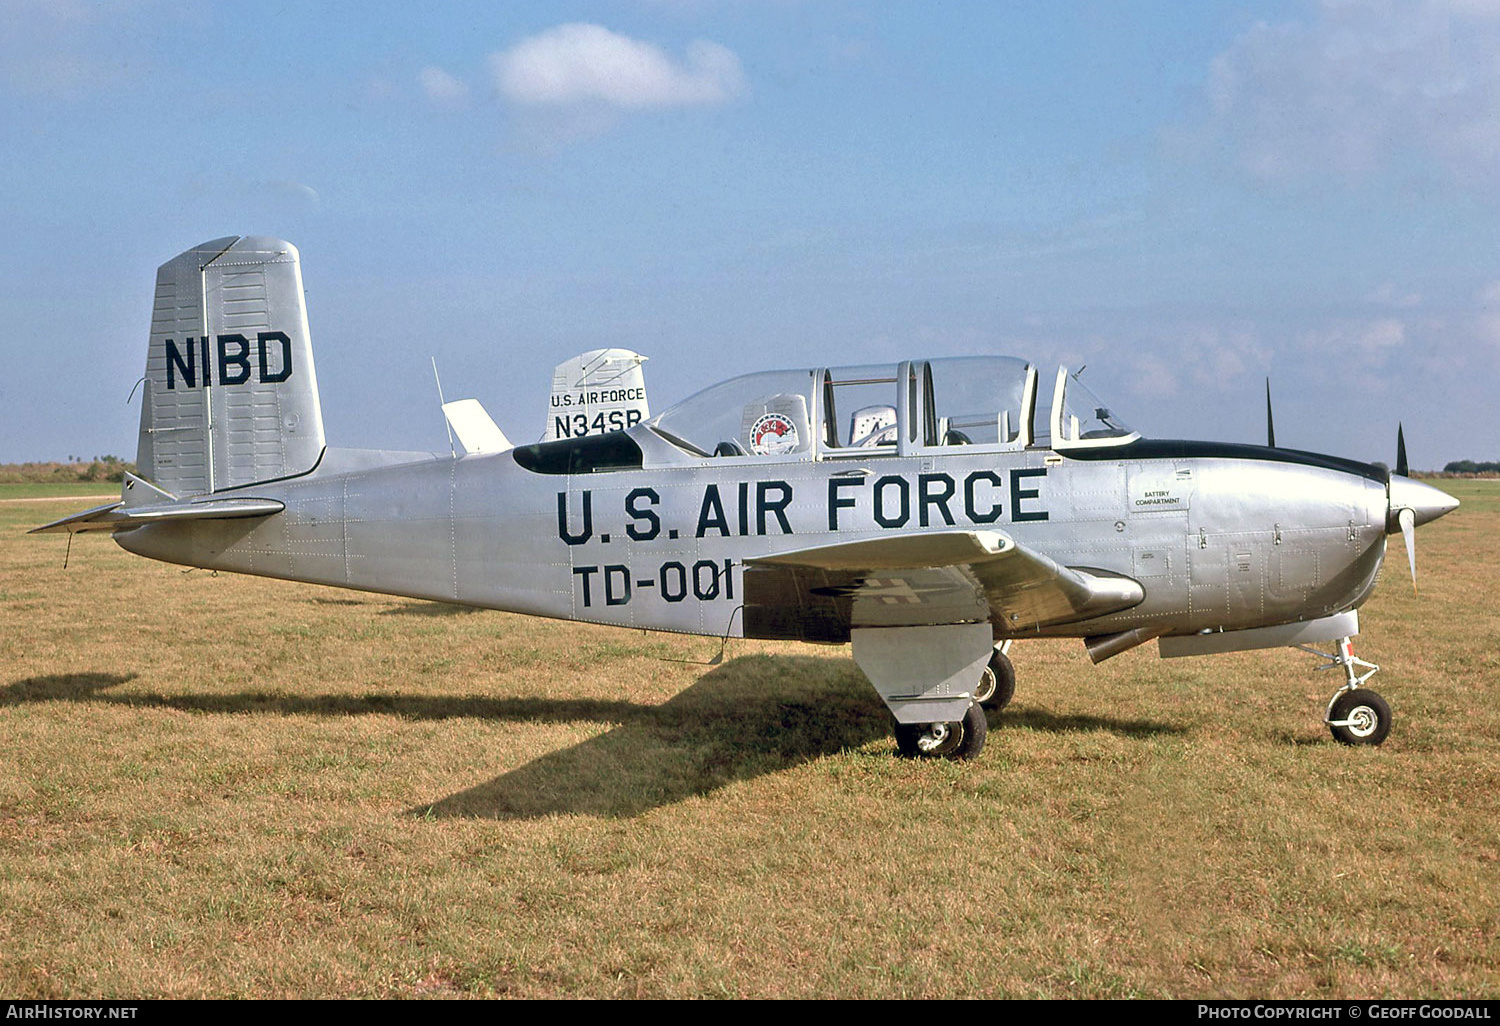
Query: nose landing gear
1356	715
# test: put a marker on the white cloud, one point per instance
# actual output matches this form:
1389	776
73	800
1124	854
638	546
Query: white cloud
1382	334
288	189
842	52
1489	297
1391	296
1218	357
1367	337
1487	329
1358	86
1152	378
1153	360
578	64
442	88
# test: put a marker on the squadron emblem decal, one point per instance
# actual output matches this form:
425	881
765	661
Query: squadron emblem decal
773	434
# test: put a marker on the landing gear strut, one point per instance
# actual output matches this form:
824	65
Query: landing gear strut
1356	715
965	738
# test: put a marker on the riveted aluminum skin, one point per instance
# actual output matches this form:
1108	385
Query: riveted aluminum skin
1251	543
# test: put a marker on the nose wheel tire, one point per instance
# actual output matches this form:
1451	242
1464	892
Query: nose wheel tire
1359	717
961	739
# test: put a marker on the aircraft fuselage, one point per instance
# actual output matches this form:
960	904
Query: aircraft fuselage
1233	538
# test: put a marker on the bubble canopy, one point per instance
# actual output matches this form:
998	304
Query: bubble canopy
884	409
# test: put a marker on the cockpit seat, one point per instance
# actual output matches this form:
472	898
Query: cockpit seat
872	425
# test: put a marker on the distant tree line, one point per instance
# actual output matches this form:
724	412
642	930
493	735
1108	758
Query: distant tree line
98	469
1470	467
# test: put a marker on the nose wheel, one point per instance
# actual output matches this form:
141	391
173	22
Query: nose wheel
1356	715
1359	717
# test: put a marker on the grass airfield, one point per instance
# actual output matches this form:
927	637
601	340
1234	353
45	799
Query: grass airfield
222	786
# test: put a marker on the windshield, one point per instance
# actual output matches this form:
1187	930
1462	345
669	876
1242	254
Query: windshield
1079	418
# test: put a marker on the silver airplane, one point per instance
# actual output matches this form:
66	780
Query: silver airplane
930	512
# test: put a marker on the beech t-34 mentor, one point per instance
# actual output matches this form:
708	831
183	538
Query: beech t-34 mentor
930	511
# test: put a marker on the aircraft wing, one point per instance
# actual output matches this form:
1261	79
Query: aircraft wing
115	516
913	580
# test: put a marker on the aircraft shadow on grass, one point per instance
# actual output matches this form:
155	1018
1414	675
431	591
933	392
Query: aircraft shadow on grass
751	716
430	609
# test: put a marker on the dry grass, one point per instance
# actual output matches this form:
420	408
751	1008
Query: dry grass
99	492
223	786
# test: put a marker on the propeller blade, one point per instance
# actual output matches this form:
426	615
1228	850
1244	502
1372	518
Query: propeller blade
1401	467
1270	424
1408	521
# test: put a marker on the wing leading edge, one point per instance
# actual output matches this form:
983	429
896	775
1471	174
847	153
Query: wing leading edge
943	577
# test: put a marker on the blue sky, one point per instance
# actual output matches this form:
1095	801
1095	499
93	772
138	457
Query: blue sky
1187	197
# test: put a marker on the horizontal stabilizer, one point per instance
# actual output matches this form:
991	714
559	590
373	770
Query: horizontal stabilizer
116	516
477	432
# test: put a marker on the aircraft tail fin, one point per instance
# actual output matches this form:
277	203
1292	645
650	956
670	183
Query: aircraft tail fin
596	392
231	397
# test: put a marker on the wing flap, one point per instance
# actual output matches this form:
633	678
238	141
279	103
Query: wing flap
941	577
907	551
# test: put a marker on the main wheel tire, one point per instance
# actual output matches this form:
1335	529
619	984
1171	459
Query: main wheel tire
985	689
976	728
1363	718
1005	682
961	739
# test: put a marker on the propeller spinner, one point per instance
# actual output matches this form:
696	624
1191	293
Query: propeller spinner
1412	504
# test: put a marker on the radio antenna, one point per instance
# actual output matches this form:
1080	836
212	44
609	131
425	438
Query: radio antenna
451	451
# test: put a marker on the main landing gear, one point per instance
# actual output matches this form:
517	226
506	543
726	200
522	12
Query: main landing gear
963	739
936	679
997	685
959	740
1356	715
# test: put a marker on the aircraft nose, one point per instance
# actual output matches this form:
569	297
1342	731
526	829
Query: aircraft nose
1426	502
